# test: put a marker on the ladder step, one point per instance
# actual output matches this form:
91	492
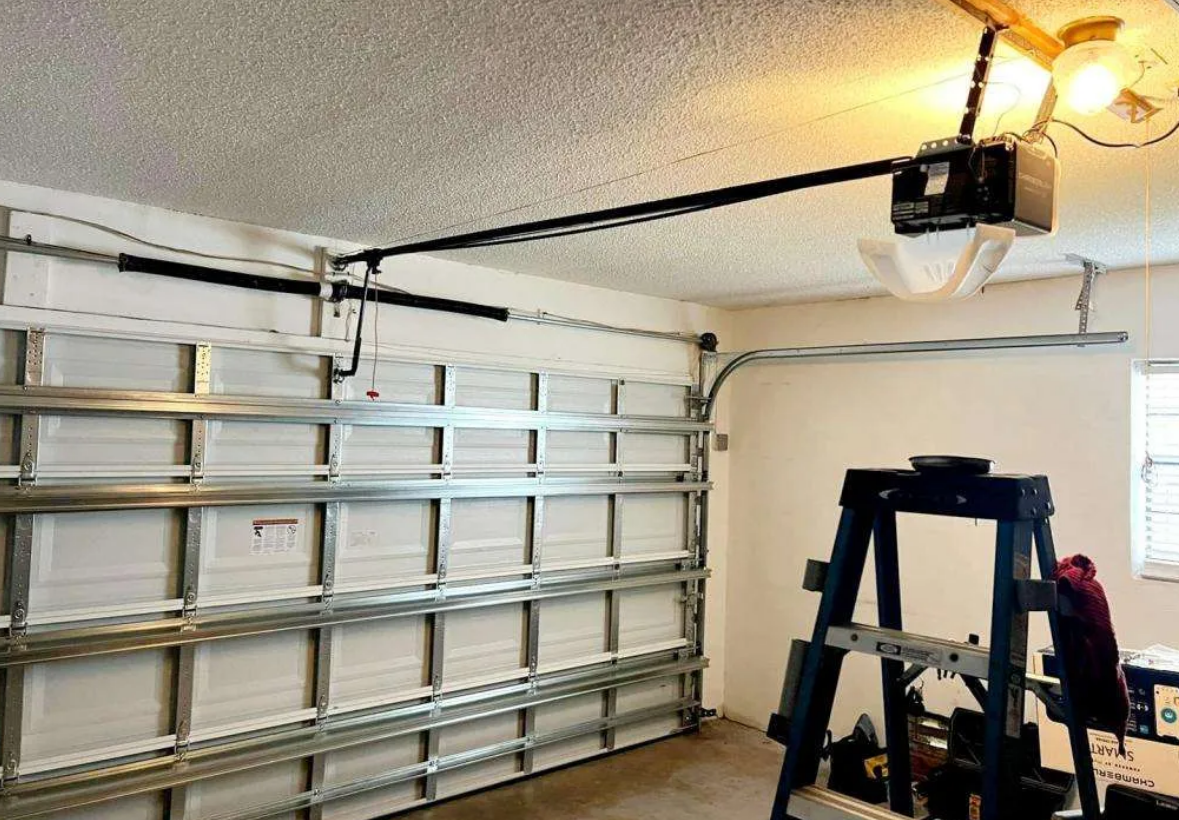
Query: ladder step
935	653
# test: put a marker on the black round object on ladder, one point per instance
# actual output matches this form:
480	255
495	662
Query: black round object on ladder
959	465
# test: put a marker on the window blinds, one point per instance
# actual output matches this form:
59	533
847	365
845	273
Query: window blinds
1159	508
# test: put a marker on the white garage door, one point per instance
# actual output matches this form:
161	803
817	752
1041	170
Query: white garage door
236	590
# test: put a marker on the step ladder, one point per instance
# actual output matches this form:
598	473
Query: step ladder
871	500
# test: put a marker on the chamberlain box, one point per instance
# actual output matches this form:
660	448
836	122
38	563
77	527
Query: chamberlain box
1152	738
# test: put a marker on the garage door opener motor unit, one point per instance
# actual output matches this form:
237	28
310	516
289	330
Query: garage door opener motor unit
871	500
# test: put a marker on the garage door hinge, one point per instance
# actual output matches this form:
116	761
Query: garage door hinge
18	625
11	771
190	603
182	743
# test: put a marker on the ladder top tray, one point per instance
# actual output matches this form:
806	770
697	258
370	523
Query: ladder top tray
992	497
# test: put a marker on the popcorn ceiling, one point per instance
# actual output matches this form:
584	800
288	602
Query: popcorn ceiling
372	121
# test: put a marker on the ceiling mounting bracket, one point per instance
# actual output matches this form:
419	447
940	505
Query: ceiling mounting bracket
978	82
1084	305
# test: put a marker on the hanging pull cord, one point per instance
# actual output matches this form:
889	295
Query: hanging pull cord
339	375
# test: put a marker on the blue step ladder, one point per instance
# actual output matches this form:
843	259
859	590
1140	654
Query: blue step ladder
871	499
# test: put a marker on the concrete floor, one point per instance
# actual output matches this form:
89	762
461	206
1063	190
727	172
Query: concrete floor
727	772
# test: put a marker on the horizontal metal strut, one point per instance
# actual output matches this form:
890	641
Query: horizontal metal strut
901	348
107	639
84	497
95	402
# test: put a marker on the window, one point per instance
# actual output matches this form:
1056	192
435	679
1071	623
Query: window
1155	461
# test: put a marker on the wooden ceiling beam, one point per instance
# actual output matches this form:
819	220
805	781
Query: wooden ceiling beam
1042	47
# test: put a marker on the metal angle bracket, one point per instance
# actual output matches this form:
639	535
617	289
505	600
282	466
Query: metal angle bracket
978	82
1084	305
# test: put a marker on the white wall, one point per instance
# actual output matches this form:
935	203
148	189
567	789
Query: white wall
796	428
39	291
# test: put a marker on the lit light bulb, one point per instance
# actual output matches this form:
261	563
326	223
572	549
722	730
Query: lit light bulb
1091	73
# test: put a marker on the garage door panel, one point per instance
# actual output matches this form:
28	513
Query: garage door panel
503	389
574	394
12	353
564	714
86	704
245	790
483	642
479	734
645	399
245	372
114	443
650	616
239	445
478	776
576	528
655	449
399	382
552	755
259	677
239	557
569	712
383	448
9	440
99	559
476	449
573	628
378	660
117	364
569	449
655	524
139	807
646	730
5	545
384	542
378	803
488	534
646	695
371	760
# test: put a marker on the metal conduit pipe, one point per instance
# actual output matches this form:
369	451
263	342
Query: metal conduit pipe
886	348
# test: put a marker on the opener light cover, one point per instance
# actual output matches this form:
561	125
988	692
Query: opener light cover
1094	68
1090	76
938	267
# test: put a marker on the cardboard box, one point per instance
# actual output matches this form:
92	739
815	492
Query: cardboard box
1152	739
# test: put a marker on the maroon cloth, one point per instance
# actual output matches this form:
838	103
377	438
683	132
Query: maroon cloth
1091	648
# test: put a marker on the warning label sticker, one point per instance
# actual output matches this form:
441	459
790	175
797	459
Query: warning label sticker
938	179
913	654
274	535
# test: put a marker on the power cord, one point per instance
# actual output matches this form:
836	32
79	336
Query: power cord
1043	124
1146	144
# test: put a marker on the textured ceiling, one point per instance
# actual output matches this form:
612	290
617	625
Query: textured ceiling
374	121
